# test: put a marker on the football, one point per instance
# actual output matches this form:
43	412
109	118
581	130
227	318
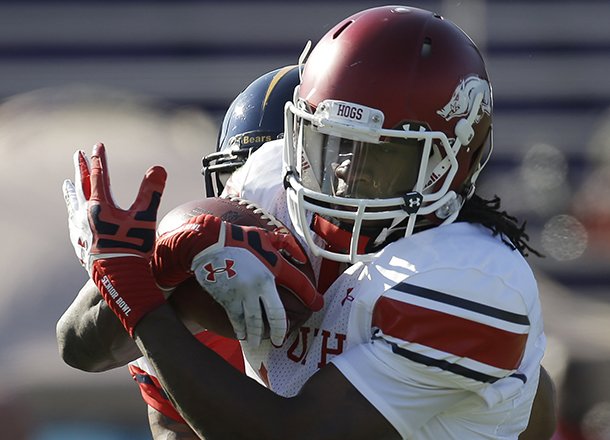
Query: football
190	300
232	210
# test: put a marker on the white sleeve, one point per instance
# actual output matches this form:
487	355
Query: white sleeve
424	405
465	337
398	388
260	176
235	183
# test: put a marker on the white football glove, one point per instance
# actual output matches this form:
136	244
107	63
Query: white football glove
245	297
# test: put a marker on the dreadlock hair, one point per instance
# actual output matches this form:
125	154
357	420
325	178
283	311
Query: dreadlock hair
487	213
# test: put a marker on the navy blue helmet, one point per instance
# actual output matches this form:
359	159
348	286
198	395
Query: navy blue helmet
254	117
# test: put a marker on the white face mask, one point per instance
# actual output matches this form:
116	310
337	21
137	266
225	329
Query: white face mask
361	174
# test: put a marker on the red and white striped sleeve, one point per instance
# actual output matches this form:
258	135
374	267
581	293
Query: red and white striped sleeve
440	338
465	337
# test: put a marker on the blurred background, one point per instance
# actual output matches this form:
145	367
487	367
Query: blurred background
152	80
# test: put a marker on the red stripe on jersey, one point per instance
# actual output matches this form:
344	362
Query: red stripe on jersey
452	334
337	239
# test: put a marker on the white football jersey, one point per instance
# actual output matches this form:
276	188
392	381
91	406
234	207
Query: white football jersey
442	331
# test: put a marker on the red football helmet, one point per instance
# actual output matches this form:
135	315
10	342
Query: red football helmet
389	124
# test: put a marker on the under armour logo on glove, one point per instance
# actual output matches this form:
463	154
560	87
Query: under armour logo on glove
213	272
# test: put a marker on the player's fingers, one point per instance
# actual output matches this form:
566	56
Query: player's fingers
297	282
151	190
70	196
97	178
238	323
85	172
276	318
100	178
82	176
289	247
253	316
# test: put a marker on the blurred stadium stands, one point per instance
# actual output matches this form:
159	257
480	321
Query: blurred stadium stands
153	78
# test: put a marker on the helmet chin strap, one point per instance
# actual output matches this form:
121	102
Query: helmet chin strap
336	238
387	231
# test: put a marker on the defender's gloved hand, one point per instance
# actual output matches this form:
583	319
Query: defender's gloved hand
240	266
115	245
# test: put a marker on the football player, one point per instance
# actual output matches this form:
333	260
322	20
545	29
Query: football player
89	336
431	325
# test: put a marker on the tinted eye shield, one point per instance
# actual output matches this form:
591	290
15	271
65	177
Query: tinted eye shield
332	118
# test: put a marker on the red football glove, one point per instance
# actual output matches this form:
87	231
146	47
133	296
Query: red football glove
240	267
115	245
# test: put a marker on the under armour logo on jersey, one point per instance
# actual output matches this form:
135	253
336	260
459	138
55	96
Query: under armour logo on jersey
348	296
214	271
413	201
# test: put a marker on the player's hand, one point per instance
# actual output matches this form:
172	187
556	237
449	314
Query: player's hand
240	266
115	245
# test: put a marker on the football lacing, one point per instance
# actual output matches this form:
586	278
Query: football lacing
264	215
